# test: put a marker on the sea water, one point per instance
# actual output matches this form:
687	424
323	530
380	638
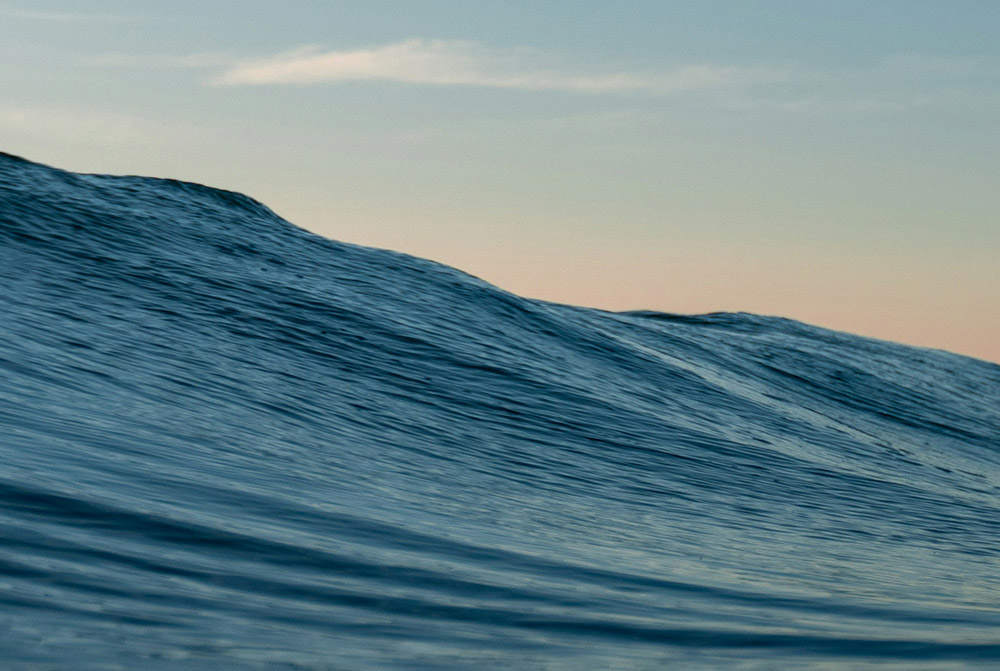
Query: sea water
227	443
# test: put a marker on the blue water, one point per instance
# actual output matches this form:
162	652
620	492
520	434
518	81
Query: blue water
227	443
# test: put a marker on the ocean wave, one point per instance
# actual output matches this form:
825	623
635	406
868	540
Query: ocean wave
228	441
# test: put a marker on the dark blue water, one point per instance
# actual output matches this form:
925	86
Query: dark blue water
226	443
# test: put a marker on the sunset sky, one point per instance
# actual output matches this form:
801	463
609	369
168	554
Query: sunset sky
837	163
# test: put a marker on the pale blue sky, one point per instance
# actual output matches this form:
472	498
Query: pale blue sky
831	162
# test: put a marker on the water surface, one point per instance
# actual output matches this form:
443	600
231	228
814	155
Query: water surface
227	443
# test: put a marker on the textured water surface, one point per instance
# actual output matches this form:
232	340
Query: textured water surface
226	443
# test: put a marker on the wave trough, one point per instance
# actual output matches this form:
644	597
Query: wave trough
230	443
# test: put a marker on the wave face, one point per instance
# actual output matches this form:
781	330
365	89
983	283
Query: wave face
229	443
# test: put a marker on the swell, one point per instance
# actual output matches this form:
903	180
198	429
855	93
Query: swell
223	433
256	567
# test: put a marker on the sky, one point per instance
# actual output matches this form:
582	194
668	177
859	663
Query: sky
835	163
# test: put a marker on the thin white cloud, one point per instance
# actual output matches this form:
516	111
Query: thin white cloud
63	17
919	65
820	105
899	84
91	127
194	61
462	63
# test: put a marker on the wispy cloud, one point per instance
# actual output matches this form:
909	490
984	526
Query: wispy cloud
64	17
196	61
91	127
462	63
899	84
842	105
